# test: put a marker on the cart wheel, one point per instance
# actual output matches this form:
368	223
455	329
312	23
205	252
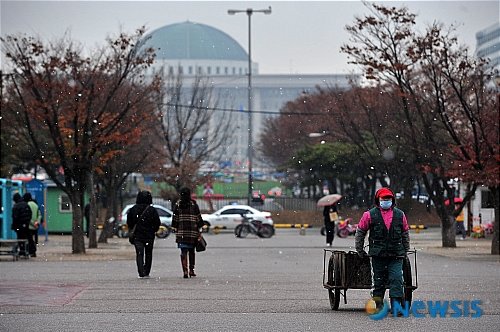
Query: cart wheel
407	281
334	280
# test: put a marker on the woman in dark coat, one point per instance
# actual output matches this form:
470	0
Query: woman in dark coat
148	223
187	222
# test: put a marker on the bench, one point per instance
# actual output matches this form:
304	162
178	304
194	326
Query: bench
13	247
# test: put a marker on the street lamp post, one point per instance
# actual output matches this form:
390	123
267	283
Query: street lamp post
249	12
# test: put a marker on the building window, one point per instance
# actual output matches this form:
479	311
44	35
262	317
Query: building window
234	71
209	70
65	203
181	70
217	70
240	71
226	70
199	70
486	200
170	70
190	70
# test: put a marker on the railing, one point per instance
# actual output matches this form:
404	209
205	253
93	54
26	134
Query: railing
270	204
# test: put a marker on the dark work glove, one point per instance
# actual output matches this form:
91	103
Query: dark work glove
406	241
359	243
362	254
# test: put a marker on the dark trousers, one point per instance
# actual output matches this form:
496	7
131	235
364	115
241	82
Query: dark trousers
387	272
461	229
23	234
31	241
330	231
143	256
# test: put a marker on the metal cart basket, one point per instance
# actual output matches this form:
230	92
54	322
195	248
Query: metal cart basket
346	270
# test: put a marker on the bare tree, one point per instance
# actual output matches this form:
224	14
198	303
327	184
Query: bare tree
142	154
192	132
382	43
71	107
460	93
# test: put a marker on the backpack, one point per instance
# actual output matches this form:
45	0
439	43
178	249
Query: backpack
21	216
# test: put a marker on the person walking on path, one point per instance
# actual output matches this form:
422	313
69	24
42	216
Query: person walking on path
389	241
36	217
147	222
21	218
330	216
187	222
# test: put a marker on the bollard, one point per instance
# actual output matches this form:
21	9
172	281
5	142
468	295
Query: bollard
302	230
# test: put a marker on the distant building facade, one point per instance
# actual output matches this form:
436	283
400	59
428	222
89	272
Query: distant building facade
488	44
194	49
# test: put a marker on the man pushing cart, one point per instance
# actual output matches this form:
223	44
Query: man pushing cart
386	261
389	241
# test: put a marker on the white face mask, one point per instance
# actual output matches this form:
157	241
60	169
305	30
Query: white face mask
386	204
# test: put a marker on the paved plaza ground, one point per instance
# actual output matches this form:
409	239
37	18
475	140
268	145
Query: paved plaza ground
247	284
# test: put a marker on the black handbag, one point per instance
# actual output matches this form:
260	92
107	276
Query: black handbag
201	244
131	233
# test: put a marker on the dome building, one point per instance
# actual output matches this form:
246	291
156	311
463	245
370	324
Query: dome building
198	49
194	49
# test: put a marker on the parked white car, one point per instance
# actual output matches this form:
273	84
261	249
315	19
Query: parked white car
229	216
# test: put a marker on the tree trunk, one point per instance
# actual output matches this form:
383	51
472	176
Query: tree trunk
495	243
78	243
113	205
448	232
107	229
103	237
93	213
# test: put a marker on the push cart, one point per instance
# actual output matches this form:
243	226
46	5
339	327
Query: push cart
346	270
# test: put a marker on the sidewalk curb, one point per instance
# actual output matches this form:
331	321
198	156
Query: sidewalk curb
292	226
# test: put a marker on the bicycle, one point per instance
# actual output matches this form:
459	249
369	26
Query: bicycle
250	226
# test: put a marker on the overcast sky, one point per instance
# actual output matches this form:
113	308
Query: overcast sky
298	37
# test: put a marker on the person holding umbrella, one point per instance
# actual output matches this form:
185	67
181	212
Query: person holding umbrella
330	215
